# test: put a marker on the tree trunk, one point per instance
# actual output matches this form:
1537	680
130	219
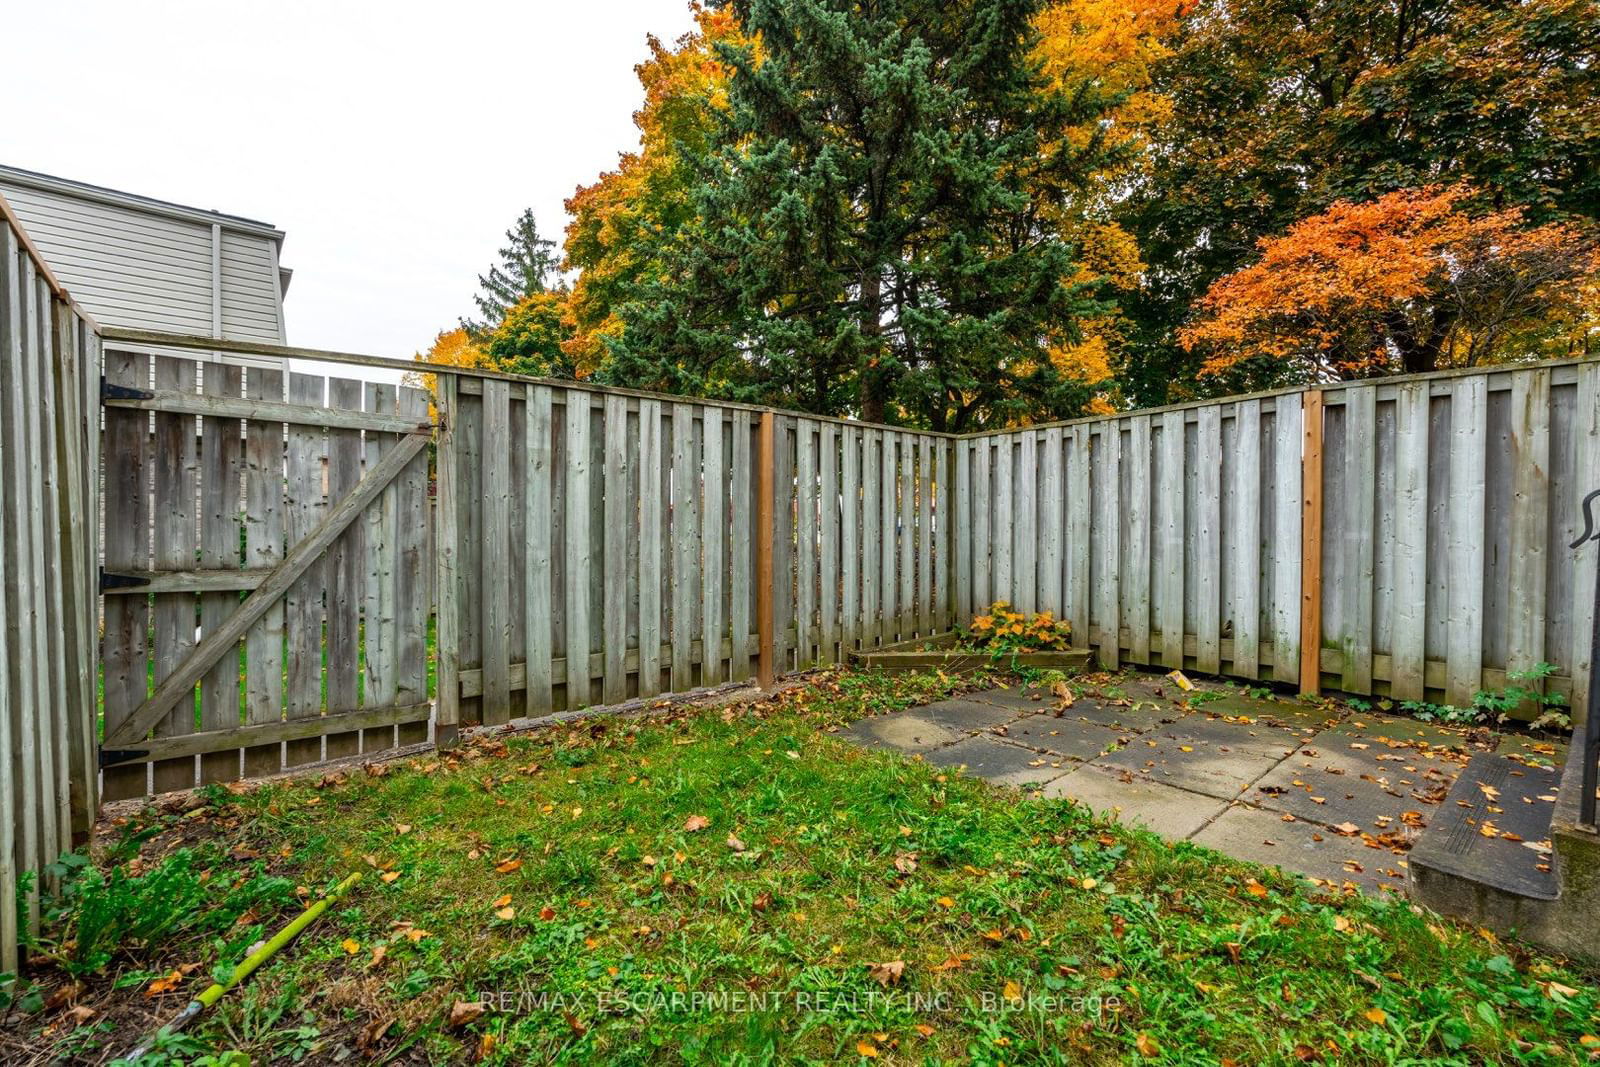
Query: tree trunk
872	391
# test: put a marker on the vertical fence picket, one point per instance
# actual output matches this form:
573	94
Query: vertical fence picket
713	539
263	549
221	463
176	547
1245	497
1468	456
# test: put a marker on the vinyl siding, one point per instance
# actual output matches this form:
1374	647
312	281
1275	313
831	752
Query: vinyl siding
145	270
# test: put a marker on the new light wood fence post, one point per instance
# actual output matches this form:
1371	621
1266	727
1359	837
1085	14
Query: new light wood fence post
766	488
1311	547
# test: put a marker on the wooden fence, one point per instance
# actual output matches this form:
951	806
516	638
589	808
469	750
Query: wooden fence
1404	537
267	568
610	545
49	389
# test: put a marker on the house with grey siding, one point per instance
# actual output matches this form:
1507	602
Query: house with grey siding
141	263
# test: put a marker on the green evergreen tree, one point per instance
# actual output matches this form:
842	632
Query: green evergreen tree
868	234
528	264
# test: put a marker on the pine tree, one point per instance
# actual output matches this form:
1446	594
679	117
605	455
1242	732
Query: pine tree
868	231
528	264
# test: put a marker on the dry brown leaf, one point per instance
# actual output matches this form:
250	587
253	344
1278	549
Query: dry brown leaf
695	823
463	1012
887	974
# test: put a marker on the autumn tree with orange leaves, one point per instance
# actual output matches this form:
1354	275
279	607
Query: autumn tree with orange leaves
1411	281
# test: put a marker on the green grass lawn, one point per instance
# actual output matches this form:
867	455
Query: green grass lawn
738	886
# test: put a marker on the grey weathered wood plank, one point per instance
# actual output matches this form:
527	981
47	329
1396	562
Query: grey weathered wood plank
783	542
538	693
1052	497
871	543
346	582
221	469
222	740
889	530
494	588
380	579
851	547
925	510
12	707
1468	430
905	618
983	589
579	543
618	530
1080	502
303	607
414	576
1108	587
1135	567
1024	525
961	519
685	534
1530	519
1357	522
175	544
713	539
1206	557
741	548
263	550
828	546
805	538
1287	500
1409	627
448	559
1169	580
178	401
1246	542
1003	569
944	567
1585	558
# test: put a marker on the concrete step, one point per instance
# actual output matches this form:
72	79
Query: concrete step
1502	851
1482	831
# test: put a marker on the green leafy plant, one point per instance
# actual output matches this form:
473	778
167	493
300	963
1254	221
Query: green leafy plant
1526	689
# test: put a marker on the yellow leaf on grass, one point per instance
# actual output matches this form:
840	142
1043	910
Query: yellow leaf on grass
1255	888
1012	991
867	1049
1147	1045
389	876
506	914
946	902
1376	1016
501	902
351	945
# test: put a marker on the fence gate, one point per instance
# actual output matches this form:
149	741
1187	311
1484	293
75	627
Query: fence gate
267	571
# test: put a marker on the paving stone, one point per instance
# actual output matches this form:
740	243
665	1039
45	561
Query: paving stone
1129	718
1255	738
1282	711
1063	736
1356	785
1534	749
1395	731
995	761
902	731
1022	698
1305	848
966	716
1171	812
1191	763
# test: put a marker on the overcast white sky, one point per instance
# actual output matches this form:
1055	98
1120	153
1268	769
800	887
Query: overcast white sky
394	142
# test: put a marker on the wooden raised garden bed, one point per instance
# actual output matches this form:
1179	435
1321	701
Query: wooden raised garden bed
940	653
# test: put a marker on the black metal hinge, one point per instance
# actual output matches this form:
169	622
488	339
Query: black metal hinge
122	392
113	580
110	757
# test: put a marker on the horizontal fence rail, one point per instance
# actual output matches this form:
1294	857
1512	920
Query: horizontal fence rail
49	440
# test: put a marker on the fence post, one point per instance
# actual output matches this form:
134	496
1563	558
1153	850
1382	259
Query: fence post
1311	546
766	487
447	632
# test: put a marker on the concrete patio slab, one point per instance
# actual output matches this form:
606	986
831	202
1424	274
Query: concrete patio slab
1393	732
902	731
1171	812
1022	698
1286	712
966	716
999	762
1191	764
1255	738
1129	718
1305	848
1062	737
1310	789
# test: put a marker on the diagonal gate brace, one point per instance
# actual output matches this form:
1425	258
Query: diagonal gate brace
215	645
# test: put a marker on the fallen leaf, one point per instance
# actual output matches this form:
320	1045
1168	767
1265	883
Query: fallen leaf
507	866
735	844
1376	1016
1147	1045
695	823
351	945
867	1049
389	876
506	914
463	1012
887	974
1012	991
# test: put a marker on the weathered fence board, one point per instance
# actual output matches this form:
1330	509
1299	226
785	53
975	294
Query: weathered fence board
50	367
